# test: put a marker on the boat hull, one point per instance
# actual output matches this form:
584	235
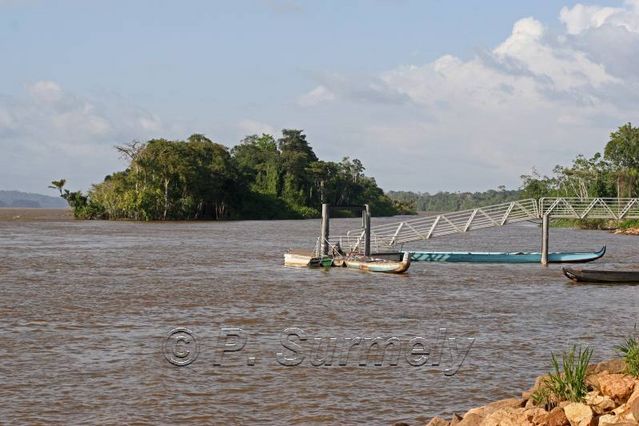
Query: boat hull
306	261
380	265
506	257
602	276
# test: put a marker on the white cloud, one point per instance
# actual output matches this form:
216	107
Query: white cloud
52	133
580	18
253	127
536	99
45	91
316	96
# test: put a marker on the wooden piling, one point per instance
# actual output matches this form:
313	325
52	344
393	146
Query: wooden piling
325	229
366	216
545	221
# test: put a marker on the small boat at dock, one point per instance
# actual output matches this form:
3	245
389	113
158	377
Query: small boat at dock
601	276
307	260
505	257
374	264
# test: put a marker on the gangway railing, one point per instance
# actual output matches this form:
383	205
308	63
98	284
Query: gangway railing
388	236
424	228
590	208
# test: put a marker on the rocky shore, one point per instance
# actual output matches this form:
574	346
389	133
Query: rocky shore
612	400
627	231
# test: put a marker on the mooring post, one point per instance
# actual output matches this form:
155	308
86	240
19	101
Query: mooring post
325	228
366	216
545	221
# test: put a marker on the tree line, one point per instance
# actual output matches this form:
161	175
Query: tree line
614	174
196	178
453	201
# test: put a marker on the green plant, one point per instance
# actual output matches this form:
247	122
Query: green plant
543	397
630	352
567	381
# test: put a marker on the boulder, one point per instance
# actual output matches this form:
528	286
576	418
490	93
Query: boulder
600	404
633	409
494	406
578	414
471	419
556	417
536	415
592	380
613	366
508	416
438	421
618	387
456	419
635	393
612	420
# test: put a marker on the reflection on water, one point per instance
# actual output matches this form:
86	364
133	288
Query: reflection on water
85	308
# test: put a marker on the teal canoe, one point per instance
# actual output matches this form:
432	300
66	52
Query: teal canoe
505	257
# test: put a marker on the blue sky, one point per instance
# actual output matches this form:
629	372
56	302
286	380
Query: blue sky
430	95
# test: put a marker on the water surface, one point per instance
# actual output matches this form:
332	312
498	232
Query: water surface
86	306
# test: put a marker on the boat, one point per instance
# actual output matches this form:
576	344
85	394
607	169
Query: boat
505	257
307	260
601	276
376	264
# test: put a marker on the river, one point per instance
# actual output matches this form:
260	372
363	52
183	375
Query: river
86	308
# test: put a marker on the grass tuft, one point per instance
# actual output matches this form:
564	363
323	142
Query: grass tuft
567	381
629	350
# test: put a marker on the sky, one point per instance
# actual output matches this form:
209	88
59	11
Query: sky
430	95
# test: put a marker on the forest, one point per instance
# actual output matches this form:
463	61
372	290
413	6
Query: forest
265	178
196	178
453	201
613	173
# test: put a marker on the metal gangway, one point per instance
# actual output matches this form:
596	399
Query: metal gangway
393	235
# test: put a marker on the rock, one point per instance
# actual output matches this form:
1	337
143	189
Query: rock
617	386
599	404
612	366
611	420
536	415
456	419
438	421
635	393
471	419
578	414
508	416
592	380
633	409
494	406
400	424
621	409
556	417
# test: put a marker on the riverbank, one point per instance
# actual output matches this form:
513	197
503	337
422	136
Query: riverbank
612	400
627	231
34	214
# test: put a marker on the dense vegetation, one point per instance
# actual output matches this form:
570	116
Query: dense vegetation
613	174
452	201
261	178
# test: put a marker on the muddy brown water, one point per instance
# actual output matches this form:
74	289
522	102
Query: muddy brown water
86	307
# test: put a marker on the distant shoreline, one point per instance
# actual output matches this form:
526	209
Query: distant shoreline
24	214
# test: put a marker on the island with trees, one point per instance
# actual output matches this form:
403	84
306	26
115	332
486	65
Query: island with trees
261	178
